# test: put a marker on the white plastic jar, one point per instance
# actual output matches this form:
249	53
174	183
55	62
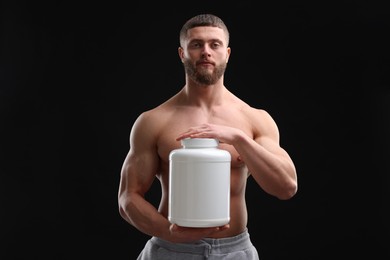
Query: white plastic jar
199	184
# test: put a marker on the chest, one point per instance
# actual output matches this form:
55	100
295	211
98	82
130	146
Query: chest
167	143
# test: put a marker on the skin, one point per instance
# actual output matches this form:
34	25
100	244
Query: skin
204	107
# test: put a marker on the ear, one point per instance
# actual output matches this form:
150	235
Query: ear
181	53
228	54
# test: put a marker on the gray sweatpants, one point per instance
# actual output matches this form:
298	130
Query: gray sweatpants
237	247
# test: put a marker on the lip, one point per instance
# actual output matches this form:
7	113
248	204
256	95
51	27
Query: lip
203	63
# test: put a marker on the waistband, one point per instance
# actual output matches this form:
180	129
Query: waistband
210	245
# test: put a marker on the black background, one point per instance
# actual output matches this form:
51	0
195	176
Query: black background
75	75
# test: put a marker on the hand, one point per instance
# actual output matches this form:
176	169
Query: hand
223	134
181	234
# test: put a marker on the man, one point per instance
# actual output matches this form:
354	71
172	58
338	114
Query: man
203	108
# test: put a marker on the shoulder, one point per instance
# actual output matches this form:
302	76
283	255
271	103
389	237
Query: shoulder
263	123
152	120
258	114
260	120
161	111
252	113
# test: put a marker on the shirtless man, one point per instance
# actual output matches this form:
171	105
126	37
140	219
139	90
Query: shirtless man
203	108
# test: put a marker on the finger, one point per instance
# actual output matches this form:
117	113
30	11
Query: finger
173	228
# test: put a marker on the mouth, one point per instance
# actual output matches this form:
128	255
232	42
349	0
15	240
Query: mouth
205	64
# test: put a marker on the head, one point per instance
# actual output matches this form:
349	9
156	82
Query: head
203	20
204	48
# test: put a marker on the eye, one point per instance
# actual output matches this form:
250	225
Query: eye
216	45
194	45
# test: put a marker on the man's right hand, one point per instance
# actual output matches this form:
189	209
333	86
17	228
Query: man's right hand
181	234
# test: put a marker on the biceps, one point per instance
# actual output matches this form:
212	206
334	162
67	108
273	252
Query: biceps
269	144
139	172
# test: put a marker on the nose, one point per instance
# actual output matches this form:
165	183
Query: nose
206	51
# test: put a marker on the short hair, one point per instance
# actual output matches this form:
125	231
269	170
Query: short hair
203	20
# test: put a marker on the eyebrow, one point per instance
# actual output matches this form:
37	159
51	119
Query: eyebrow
210	40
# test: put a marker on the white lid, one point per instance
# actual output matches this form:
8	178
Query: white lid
199	142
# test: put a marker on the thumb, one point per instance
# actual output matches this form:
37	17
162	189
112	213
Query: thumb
173	228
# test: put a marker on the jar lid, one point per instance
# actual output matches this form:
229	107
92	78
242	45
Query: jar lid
199	142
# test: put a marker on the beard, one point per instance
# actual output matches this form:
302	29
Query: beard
202	76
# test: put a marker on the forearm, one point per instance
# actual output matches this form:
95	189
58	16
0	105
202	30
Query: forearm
273	170
143	216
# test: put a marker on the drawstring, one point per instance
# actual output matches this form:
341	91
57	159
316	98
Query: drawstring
207	250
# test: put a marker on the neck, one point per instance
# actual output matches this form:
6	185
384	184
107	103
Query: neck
203	95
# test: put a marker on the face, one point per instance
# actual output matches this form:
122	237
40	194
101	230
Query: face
205	54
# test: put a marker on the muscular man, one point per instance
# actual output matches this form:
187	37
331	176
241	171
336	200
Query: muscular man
202	108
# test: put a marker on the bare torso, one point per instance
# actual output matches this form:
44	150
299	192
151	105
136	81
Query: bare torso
174	119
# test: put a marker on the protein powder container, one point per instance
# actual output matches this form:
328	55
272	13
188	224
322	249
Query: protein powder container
199	184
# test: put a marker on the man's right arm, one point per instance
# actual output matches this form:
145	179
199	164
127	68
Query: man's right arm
137	175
